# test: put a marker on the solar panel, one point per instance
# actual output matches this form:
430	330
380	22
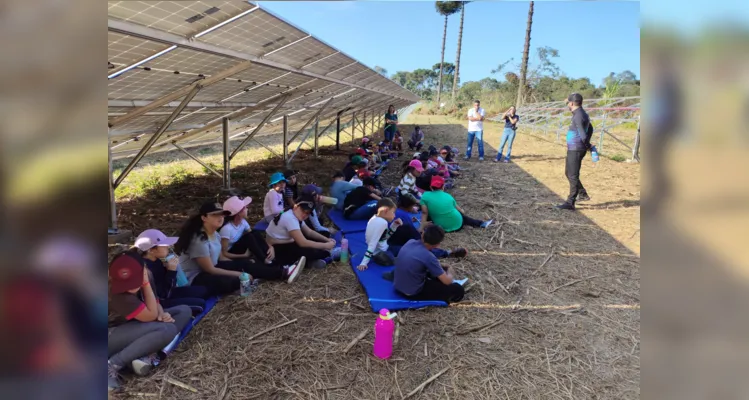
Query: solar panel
302	54
125	50
147	85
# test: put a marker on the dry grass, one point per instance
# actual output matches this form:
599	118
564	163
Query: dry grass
553	312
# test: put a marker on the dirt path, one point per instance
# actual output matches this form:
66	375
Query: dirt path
553	313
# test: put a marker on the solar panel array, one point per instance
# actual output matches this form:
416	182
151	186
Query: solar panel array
246	61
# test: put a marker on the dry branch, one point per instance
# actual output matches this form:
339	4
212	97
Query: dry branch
272	328
480	327
356	340
573	282
425	383
180	384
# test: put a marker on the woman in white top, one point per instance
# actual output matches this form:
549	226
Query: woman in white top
199	247
292	239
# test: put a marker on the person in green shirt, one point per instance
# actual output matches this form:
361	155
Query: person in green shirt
391	123
441	208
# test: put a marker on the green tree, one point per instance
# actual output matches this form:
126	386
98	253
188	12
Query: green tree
445	8
456	78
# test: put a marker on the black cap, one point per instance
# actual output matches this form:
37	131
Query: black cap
213	207
289	173
575	98
369	182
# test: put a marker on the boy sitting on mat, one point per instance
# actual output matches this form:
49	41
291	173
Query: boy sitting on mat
378	233
419	275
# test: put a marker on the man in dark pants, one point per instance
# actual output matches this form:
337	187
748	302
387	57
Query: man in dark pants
578	143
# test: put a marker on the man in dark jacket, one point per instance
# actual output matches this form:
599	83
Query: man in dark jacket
578	143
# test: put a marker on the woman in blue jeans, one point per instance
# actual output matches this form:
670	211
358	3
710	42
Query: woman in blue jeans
508	135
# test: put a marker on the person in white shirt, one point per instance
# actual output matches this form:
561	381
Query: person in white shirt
476	129
237	239
292	239
378	233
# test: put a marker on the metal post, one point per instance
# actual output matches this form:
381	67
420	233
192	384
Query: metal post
364	125
600	139
317	126
157	135
206	166
285	143
353	126
112	203
227	153
259	126
338	132
636	147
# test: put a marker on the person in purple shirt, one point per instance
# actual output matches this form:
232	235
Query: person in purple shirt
418	275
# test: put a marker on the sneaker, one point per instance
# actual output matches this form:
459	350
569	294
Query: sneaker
481	158
466	158
495	160
582	197
458	253
318	264
506	160
142	366
293	270
113	377
565	206
486	224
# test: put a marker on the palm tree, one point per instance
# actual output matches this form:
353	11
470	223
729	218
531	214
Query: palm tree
460	42
446	8
526	50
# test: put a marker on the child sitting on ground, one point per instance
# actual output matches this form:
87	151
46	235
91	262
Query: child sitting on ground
418	275
351	169
444	211
339	189
408	182
274	199
398	143
238	240
361	203
408	230
417	139
446	157
378	233
291	191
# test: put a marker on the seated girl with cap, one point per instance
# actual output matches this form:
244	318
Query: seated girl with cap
408	182
238	240
313	222
199	247
138	327
274	199
350	169
168	281
443	210
292	239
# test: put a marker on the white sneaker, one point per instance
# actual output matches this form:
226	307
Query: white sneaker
481	158
293	270
142	366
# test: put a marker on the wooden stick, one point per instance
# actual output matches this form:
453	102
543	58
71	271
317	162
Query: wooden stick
425	383
502	240
551	254
271	328
480	327
359	337
346	299
180	384
340	325
573	282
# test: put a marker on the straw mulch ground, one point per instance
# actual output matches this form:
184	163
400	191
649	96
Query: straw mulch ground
553	312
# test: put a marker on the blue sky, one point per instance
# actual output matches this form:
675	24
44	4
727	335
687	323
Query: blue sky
695	14
593	38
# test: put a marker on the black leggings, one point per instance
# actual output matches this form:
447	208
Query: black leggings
468	221
254	242
435	290
220	284
289	253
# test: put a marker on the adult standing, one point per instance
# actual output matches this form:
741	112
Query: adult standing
508	134
391	123
476	129
578	143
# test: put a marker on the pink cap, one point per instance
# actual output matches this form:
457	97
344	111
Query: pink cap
234	204
153	237
416	164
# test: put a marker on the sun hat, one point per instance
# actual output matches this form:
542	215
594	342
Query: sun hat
151	238
277	177
416	164
234	204
126	273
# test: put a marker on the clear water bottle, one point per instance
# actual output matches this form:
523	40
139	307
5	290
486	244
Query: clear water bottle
344	250
594	153
245	285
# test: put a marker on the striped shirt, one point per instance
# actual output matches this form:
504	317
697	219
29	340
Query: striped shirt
408	183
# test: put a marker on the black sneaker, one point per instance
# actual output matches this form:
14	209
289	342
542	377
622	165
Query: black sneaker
458	253
583	197
565	206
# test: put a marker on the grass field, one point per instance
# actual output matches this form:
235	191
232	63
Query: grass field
553	312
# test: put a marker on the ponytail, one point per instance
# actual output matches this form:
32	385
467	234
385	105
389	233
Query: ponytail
277	217
192	227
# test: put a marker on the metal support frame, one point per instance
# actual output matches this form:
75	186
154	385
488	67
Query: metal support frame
196	159
338	131
353	126
314	117
317	139
259	126
266	147
227	149
179	93
112	203
636	147
285	143
364	125
157	135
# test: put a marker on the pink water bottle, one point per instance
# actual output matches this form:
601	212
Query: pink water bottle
344	250
383	334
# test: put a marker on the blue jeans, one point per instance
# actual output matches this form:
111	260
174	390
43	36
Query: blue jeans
365	212
508	136
478	135
389	135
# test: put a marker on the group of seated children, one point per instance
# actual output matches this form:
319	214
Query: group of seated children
153	293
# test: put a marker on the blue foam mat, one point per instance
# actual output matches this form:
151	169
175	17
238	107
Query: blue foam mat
347	225
380	292
260	226
209	304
